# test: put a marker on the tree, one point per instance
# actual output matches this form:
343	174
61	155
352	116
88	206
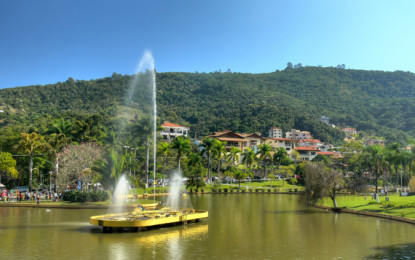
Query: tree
76	164
182	145
248	158
165	152
264	152
7	165
143	130
208	146
30	144
219	152
240	175
233	155
322	181
61	126
374	160
196	171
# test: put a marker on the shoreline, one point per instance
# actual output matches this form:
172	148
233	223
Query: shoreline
367	213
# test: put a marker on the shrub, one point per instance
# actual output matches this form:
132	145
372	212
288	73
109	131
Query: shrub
85	196
225	189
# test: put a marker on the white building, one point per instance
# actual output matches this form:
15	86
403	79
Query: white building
298	135
275	132
171	131
324	119
307	153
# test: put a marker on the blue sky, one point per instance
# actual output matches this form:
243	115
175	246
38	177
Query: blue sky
47	41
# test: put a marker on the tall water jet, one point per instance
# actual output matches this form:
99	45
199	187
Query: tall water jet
178	198
146	75
119	197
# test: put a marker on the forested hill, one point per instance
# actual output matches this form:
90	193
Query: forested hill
378	103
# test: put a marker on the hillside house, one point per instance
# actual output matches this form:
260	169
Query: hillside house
254	140
349	130
288	144
232	139
275	132
307	153
298	135
171	131
374	142
310	142
334	155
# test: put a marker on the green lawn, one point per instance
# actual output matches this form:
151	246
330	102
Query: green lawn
396	206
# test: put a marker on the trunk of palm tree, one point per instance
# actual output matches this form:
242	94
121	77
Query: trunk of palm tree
209	165
164	172
219	164
178	163
30	171
265	169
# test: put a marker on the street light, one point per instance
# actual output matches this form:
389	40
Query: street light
126	148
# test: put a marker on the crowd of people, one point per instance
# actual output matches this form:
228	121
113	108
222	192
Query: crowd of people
17	196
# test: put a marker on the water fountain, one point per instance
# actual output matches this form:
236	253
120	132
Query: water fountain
179	208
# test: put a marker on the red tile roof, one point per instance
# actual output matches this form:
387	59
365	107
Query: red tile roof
306	148
310	141
168	124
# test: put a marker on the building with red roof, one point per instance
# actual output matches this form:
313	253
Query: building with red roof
307	153
171	131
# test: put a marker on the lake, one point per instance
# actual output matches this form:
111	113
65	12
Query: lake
240	226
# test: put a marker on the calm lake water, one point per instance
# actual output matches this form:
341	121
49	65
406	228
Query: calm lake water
240	226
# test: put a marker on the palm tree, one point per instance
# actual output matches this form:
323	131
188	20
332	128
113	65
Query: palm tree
61	126
396	158
374	160
218	152
264	152
248	158
207	145
142	131
182	145
165	152
57	142
234	155
195	162
29	144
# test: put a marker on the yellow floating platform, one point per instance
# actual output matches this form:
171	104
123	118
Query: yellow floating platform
143	219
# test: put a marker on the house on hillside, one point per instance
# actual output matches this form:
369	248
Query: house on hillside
275	132
334	155
374	142
307	153
298	135
171	131
232	139
310	142
288	144
349	130
324	119
254	140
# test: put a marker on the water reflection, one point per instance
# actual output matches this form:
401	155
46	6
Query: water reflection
240	226
402	251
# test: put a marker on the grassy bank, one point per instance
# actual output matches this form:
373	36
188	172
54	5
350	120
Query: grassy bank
396	206
265	185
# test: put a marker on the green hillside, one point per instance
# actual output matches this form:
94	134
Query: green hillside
377	103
